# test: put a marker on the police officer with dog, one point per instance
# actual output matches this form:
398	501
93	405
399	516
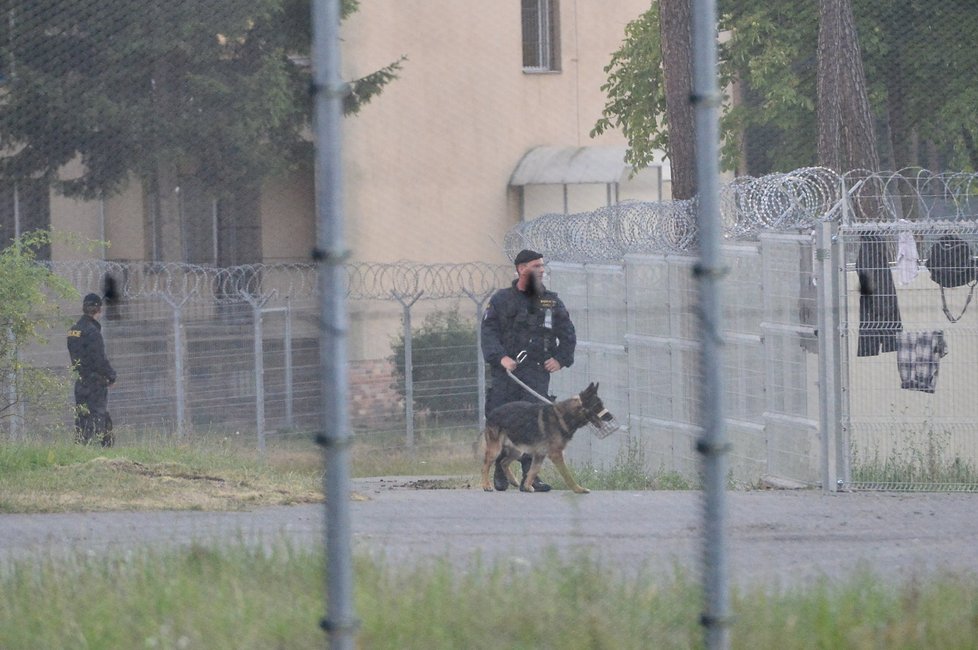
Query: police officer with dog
95	374
527	331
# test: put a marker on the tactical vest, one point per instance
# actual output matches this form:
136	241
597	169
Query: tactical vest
531	327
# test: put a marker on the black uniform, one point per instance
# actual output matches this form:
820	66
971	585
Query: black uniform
95	375
516	321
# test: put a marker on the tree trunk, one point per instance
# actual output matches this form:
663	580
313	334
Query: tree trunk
829	107
846	131
675	26
970	146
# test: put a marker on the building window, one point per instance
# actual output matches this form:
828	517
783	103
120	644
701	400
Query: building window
25	206
541	36
219	231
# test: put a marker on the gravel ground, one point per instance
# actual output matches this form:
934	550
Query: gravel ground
774	537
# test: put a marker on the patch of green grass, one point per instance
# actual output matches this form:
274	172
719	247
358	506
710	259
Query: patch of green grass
225	471
242	597
629	472
60	476
917	459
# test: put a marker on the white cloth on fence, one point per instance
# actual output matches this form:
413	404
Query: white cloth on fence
908	260
919	358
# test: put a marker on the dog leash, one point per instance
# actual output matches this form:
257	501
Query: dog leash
527	388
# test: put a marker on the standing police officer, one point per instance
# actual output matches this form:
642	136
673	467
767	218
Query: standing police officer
526	330
95	375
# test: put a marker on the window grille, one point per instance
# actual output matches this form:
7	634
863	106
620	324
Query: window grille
541	36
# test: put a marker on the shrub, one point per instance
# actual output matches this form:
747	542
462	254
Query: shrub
444	365
27	314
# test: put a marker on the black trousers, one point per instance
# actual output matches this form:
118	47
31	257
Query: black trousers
92	421
504	390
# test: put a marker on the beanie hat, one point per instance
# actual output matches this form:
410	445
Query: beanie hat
526	255
92	300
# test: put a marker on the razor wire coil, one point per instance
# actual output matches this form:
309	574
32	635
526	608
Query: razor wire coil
748	206
790	201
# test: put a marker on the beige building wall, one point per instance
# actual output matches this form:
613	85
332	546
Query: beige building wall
124	221
288	217
75	225
428	162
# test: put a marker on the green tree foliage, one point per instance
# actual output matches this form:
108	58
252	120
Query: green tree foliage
214	88
28	312
445	366
920	64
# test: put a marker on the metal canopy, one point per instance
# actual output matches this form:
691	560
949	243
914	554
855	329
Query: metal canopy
570	165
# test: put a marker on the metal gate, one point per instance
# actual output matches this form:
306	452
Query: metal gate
909	356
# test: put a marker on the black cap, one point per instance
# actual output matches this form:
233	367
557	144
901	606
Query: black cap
92	300
526	255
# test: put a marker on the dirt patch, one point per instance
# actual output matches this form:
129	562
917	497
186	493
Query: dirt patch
161	470
438	484
382	484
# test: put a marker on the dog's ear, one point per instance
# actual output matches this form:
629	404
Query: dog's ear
590	390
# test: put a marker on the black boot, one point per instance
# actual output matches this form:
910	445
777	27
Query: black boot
499	480
538	486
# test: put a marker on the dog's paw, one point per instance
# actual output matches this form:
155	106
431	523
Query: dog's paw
582	490
487	488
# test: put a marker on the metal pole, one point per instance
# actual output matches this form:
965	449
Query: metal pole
257	302
480	375
828	370
179	353
713	446
289	392
259	377
180	377
408	365
840	353
340	622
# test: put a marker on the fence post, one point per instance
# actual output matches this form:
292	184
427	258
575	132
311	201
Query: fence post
828	353
713	445
408	364
480	374
179	353
289	393
257	302
328	93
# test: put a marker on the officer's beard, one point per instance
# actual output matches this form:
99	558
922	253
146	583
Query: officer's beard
535	285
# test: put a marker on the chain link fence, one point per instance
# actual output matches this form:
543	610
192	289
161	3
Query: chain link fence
203	348
169	148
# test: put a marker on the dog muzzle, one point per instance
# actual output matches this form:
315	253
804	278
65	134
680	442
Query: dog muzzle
608	424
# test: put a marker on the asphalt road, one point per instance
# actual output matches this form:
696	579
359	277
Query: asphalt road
774	537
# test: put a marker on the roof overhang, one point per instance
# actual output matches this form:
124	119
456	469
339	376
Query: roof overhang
571	166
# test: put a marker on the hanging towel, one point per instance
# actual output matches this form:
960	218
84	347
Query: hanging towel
918	359
908	261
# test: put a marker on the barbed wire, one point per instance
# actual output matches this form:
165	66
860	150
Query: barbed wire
748	206
364	281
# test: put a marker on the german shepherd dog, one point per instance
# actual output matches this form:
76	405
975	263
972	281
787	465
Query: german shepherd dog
542	430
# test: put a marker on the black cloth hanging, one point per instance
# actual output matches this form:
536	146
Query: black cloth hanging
879	314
